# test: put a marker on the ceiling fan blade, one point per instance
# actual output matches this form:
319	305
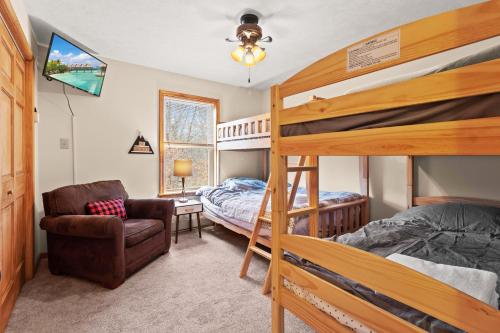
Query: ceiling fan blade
267	39
230	40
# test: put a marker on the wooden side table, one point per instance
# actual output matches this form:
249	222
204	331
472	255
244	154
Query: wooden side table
185	208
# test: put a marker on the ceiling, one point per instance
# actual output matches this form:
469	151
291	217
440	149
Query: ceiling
187	37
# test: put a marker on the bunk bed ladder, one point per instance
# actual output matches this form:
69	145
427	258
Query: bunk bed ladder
252	244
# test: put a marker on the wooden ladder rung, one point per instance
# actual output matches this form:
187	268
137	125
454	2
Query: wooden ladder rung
301	211
261	252
301	168
265	219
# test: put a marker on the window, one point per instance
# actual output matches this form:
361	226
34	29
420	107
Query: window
187	131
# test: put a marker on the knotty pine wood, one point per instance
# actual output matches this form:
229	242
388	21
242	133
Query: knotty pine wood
466	81
464	137
430	200
371	315
279	188
397	281
472	137
312	184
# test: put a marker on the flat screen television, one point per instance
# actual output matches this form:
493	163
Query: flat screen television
71	65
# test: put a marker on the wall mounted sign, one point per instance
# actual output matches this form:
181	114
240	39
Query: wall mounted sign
141	146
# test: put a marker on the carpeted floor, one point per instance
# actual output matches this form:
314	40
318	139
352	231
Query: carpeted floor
194	288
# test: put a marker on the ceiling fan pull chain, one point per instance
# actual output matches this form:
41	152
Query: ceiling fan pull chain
248	74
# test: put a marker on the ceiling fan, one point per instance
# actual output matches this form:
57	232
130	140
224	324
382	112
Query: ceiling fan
249	35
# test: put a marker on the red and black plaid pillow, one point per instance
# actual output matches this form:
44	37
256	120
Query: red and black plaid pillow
107	207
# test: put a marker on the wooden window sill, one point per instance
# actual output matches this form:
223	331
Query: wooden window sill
176	194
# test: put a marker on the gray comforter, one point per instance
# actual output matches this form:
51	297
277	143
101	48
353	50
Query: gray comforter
452	234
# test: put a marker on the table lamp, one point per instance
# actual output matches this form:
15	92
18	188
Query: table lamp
183	168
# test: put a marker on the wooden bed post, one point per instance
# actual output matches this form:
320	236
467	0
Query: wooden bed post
265	164
409	182
312	184
279	209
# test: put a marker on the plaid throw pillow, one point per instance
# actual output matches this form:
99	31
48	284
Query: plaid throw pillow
107	207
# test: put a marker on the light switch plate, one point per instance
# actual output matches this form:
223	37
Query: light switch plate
64	143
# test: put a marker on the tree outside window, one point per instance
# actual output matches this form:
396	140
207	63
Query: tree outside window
187	131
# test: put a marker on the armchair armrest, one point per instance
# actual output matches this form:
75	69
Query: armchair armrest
90	226
161	209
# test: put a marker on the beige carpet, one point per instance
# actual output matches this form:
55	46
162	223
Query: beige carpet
195	288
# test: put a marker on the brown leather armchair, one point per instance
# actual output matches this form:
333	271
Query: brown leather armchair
103	249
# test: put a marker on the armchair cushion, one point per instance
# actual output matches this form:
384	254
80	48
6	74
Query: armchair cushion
138	230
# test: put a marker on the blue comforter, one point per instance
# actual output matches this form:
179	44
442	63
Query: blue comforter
240	198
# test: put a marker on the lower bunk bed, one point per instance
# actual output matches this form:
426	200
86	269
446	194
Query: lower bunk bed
457	244
235	205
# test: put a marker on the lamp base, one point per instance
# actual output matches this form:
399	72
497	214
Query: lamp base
183	193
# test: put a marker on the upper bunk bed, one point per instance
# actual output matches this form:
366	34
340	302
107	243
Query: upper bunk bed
451	97
413	117
249	133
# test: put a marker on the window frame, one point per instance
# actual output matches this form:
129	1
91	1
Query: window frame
161	143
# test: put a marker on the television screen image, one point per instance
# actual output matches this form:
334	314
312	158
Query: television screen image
71	65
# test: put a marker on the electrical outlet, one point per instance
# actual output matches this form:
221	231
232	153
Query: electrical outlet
64	143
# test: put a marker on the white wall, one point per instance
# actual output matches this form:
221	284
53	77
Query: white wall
459	176
22	16
106	127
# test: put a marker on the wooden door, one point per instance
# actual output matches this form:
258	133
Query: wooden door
14	221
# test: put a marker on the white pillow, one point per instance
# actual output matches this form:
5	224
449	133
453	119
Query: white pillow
477	283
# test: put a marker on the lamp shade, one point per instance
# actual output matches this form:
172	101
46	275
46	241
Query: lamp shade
238	54
183	168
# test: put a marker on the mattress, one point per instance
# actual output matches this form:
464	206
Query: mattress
483	106
475	107
451	234
217	211
238	200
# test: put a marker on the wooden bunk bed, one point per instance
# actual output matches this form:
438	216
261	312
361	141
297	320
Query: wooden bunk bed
246	134
253	133
470	136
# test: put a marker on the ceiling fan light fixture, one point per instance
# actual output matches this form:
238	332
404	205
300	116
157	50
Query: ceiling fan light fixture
258	53
249	59
249	33
238	53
